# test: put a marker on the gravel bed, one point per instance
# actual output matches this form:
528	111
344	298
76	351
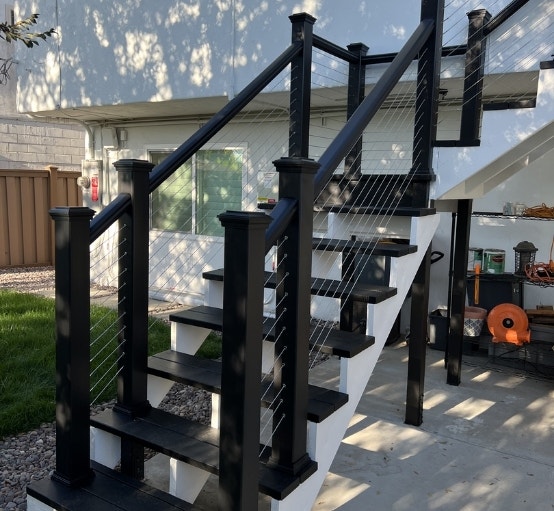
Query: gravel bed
32	456
28	280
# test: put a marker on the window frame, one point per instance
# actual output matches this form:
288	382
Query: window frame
163	148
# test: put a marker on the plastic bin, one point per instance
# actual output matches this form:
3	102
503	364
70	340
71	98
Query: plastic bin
438	329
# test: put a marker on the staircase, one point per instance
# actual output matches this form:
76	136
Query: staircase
321	307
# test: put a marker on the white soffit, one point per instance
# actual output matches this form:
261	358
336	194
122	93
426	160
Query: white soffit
536	146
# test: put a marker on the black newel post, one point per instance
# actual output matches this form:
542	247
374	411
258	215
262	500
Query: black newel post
72	248
300	88
472	105
294	256
425	129
353	314
133	177
241	359
427	103
356	93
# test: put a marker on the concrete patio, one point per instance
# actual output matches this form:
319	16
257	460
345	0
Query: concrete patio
485	445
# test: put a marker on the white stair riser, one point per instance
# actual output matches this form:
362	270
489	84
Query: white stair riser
187	338
324	438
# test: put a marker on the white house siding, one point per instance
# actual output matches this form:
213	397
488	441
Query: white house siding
133	52
158	51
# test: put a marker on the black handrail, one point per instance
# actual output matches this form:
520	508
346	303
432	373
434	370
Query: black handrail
185	151
386	58
161	172
378	58
354	127
281	215
503	15
335	50
110	214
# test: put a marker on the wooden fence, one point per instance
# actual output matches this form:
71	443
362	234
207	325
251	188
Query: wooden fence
26	196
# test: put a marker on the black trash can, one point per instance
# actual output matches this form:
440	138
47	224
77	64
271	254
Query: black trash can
438	329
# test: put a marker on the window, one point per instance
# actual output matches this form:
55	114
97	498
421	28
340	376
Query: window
205	186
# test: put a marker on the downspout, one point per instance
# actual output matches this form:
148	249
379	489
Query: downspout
89	150
59	105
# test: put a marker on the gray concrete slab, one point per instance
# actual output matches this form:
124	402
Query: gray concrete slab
485	445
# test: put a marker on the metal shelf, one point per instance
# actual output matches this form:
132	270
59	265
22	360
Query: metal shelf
494	214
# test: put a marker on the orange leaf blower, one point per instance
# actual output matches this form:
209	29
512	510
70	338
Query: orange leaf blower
509	323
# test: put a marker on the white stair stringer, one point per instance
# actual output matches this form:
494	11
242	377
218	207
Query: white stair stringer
325	438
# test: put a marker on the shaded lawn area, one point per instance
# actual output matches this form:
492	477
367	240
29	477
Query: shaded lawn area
27	358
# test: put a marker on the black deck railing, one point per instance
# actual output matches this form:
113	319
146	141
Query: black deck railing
248	237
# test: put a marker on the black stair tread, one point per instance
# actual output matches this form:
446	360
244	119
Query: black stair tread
378	210
206	374
163	432
193	443
322	402
108	490
327	340
375	248
358	292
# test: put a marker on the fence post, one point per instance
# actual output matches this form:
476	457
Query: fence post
301	72
133	178
292	330
241	359
72	279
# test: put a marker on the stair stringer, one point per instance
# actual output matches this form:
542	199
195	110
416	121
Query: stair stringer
325	438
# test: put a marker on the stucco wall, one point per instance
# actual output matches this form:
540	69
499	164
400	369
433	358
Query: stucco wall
129	51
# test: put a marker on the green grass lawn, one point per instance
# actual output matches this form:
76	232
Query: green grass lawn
27	358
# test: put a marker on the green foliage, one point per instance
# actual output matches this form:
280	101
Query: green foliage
20	31
211	347
27	361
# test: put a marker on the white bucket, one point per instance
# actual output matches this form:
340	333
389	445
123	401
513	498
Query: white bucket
475	256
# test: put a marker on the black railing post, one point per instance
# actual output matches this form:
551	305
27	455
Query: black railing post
418	343
133	178
300	87
472	105
353	314
455	339
294	260
426	106
356	93
72	277
244	256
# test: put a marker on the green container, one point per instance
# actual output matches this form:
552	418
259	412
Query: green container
475	257
494	260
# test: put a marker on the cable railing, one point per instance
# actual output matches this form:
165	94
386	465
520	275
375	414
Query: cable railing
112	350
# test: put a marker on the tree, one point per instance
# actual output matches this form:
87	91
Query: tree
20	31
